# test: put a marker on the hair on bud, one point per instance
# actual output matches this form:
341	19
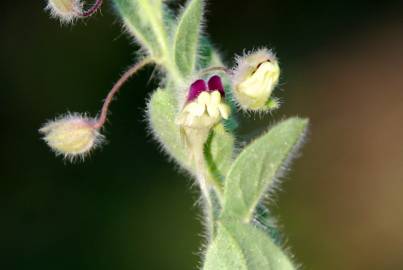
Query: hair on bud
72	136
65	10
254	79
69	10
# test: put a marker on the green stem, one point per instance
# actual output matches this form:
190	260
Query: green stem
209	207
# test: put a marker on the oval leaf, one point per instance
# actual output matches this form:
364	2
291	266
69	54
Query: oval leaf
240	246
162	113
256	167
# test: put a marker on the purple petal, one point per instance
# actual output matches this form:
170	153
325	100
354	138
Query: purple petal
195	89
215	83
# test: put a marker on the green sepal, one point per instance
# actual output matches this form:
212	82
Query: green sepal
273	104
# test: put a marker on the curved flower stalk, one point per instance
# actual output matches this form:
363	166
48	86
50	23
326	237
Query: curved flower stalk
192	116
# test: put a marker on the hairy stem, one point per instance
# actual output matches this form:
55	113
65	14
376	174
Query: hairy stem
208	207
118	85
93	9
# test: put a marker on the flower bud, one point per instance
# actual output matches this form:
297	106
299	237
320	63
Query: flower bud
65	10
254	79
71	136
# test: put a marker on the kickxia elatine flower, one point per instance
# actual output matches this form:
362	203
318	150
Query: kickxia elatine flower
72	136
254	78
204	108
205	105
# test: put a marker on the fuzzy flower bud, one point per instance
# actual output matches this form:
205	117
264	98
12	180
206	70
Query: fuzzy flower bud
65	10
254	79
71	136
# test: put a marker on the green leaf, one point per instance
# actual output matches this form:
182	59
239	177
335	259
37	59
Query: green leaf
187	37
162	112
206	52
218	151
208	56
240	246
145	20
254	170
225	253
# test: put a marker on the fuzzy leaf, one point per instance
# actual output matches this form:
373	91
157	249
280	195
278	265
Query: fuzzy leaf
187	37
144	19
218	152
206	52
208	56
162	113
254	170
240	246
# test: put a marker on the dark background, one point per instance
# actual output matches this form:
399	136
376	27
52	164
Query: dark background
126	207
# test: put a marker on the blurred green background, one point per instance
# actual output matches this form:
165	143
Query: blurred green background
126	207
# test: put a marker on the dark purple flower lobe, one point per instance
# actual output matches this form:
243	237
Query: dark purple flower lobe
215	84
195	89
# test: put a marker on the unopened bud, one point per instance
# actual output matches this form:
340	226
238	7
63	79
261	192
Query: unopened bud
71	136
254	79
65	10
